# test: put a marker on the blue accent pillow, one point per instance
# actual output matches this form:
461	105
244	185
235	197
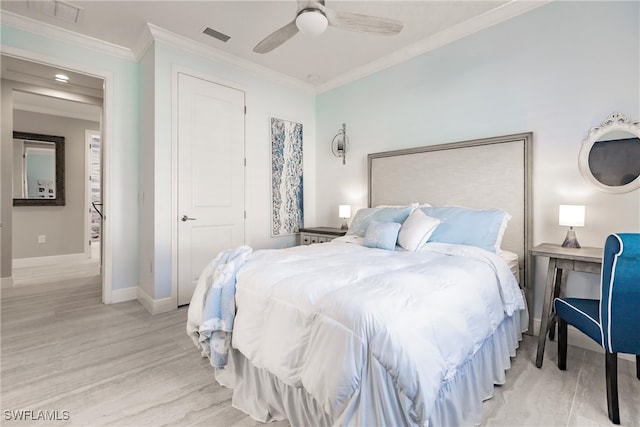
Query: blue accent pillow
387	214
382	235
483	228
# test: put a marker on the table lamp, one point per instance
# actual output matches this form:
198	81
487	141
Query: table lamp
344	212
571	216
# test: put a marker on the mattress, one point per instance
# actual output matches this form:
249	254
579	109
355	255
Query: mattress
513	263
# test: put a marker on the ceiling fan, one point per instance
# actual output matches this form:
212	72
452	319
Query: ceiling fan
313	17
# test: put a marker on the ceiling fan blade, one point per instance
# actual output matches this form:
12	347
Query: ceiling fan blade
276	38
363	23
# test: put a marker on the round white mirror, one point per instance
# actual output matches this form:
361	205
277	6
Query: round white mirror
610	155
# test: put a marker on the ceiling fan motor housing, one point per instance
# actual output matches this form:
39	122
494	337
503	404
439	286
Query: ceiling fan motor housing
312	21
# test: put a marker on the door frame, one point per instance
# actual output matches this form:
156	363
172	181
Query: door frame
175	70
106	132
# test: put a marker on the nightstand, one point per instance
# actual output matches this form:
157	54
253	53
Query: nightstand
561	261
319	234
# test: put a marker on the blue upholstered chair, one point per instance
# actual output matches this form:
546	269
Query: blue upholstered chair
613	321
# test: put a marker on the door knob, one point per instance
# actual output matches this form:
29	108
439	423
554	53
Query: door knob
186	218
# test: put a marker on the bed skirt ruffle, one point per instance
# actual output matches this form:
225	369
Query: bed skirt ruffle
266	398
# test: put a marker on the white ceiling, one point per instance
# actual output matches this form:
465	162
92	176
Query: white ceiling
322	61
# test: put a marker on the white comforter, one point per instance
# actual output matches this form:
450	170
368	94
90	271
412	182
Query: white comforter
320	316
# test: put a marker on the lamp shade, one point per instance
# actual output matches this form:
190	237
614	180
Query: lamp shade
344	211
312	22
571	215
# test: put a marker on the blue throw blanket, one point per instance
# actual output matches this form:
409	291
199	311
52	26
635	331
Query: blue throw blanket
219	304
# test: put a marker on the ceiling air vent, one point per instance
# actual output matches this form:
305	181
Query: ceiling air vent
216	34
58	9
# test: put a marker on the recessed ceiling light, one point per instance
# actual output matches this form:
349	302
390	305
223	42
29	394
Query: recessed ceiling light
63	78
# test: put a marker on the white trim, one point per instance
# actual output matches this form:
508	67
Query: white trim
50	260
105	186
107	131
126	294
495	16
6	282
144	42
50	31
578	339
155	306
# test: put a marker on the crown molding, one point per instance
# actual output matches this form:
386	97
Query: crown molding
197	48
50	31
495	16
143	43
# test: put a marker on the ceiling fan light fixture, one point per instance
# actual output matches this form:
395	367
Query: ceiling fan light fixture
312	21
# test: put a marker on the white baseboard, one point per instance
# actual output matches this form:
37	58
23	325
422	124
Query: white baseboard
6	282
156	306
50	260
578	339
126	294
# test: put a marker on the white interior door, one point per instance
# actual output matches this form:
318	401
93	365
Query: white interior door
210	176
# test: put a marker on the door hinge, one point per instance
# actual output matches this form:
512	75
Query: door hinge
245	214
245	162
245	109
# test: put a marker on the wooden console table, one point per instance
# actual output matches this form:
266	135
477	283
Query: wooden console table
561	261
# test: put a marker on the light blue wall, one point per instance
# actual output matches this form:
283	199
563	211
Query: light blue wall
147	171
557	71
123	143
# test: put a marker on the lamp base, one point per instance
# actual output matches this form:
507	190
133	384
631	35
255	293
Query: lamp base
344	225
571	241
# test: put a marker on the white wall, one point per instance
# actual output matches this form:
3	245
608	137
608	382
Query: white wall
557	71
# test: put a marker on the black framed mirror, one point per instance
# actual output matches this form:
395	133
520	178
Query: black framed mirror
38	169
610	155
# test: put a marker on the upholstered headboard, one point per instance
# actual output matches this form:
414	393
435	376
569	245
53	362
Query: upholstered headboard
484	173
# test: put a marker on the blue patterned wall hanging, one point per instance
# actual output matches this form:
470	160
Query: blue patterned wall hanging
287	215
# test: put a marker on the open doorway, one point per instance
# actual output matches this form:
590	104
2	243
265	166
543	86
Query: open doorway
55	242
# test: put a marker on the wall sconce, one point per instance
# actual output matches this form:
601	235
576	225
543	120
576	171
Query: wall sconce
571	216
344	212
339	144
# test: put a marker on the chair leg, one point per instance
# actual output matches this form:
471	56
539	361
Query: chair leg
562	344
612	387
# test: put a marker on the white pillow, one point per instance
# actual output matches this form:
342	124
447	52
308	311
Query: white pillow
416	230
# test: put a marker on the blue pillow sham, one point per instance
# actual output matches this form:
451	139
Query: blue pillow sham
382	235
483	228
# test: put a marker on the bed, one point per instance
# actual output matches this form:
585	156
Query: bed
361	331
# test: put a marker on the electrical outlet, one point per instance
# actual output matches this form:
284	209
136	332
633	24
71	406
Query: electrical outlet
42	238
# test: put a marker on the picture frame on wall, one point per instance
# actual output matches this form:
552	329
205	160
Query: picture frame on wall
287	213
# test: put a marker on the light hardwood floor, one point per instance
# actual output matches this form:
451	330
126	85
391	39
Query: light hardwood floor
62	350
